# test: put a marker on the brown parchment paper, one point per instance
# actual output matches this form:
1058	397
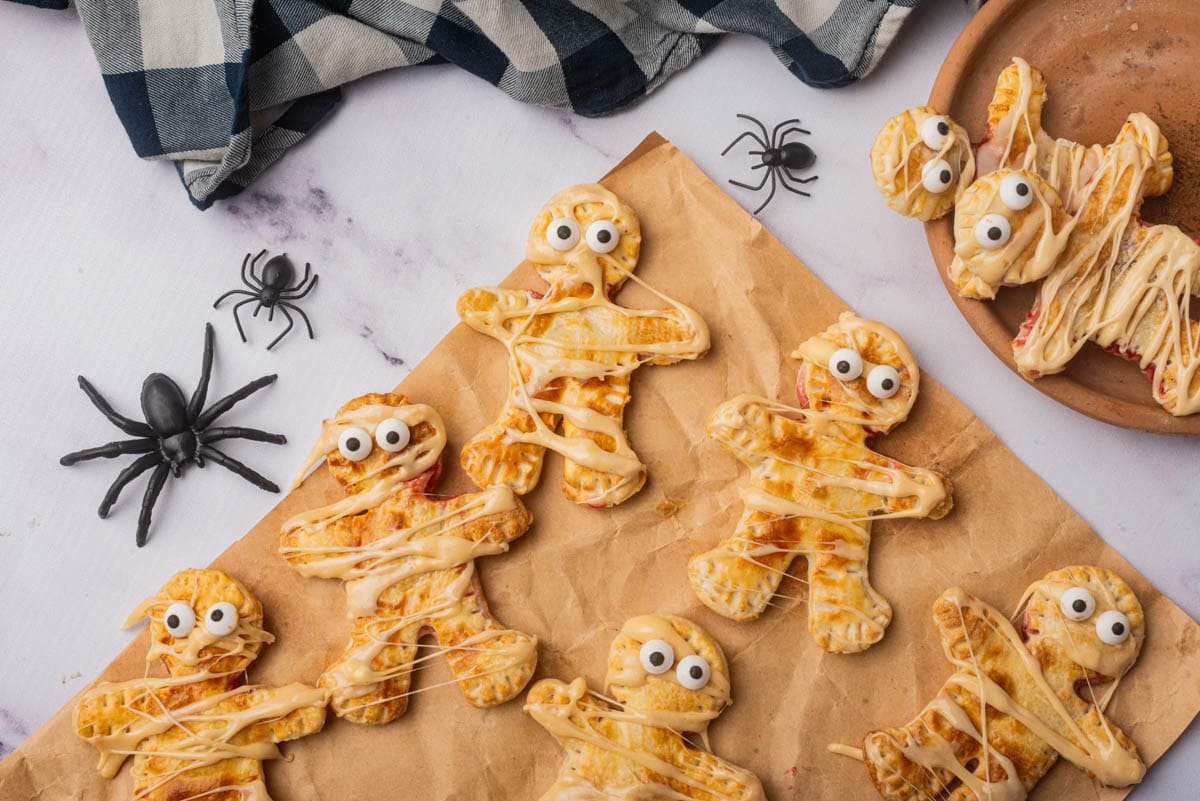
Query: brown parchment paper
580	573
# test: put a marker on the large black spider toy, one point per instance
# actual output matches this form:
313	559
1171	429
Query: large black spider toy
274	290
778	157
176	432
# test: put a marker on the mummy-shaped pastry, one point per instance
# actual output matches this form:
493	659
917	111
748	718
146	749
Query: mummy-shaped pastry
666	677
572	351
202	732
1019	699
1106	276
408	561
923	161
816	485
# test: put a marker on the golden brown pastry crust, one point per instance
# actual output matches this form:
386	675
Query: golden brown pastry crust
815	487
1045	687
202	733
631	746
571	352
408	562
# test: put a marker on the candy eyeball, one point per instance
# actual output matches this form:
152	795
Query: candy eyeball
693	672
657	656
563	233
602	236
179	619
883	381
846	364
392	435
937	176
1112	627
221	619
1015	192
355	444
1077	604
992	231
934	132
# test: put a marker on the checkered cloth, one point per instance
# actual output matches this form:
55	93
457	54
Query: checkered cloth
224	87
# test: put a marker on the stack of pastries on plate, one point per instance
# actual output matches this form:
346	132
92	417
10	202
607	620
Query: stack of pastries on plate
1021	695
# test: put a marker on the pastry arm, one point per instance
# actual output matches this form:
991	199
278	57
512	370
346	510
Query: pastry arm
485	308
738	424
931	495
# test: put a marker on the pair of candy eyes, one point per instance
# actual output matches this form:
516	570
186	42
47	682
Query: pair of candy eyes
692	671
847	364
221	619
936	175
563	234
993	230
1077	604
392	435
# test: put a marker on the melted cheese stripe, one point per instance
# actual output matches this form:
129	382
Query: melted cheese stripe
432	545
570	721
538	362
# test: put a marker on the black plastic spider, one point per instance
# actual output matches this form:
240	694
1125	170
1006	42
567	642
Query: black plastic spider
274	289
779	157
175	433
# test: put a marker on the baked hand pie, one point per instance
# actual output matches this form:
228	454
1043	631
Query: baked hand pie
923	161
816	485
572	351
1106	276
1020	699
408	562
201	732
666	677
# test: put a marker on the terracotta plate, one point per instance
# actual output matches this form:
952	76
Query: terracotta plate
1102	60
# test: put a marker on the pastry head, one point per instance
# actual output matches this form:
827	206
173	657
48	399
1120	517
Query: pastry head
203	621
921	161
379	438
669	670
1089	614
1009	228
858	371
585	234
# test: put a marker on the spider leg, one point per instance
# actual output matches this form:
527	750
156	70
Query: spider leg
217	302
236	432
237	319
789	130
304	280
110	450
153	488
808	180
271	315
766	140
229	401
303	317
291	323
255	282
131	427
131	471
742	136
201	392
775	139
769	196
311	287
783	181
257	309
233	465
761	183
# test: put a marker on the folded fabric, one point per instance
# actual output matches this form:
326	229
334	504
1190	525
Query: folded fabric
224	87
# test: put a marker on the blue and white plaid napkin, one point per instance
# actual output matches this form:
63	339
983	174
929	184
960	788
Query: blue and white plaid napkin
224	87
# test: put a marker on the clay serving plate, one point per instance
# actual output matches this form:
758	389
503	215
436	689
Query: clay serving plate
1102	60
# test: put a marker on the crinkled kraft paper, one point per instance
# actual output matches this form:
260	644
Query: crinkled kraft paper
580	573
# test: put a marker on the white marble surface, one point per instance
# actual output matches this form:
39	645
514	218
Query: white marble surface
420	185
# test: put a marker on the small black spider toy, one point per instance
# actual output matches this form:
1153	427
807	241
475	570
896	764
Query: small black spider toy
273	290
778	157
176	432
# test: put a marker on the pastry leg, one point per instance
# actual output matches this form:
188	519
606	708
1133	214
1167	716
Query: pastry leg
491	663
490	458
845	613
370	680
585	485
738	578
